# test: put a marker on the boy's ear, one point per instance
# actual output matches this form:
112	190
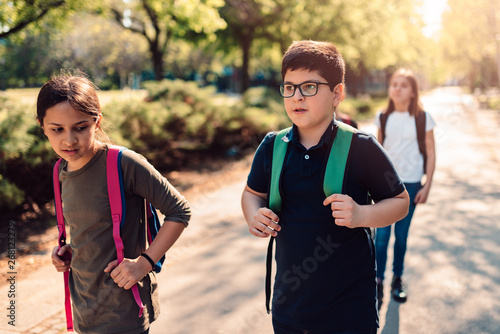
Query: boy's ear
339	92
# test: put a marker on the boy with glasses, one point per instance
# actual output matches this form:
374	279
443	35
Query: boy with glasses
325	276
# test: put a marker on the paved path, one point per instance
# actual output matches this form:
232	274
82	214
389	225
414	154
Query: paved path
214	279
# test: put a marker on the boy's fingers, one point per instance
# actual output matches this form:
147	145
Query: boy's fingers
334	198
271	215
264	230
273	224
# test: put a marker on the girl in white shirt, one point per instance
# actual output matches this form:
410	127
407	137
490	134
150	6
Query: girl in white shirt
400	141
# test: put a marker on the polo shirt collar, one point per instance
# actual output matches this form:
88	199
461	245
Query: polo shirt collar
293	135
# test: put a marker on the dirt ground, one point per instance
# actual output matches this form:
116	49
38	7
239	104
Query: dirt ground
35	251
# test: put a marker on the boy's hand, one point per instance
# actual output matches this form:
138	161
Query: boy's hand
344	209
57	258
264	223
129	272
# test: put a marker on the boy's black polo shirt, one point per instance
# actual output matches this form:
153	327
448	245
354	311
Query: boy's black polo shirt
325	276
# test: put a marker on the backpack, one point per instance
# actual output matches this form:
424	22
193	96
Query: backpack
118	211
420	125
332	182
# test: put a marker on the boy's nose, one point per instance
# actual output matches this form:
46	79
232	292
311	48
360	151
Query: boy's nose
297	95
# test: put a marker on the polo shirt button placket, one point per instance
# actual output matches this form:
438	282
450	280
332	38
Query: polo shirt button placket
305	165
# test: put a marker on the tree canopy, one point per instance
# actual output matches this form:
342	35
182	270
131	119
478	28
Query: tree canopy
18	15
250	35
159	22
470	40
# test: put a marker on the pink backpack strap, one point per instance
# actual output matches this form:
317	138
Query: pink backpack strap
62	242
117	208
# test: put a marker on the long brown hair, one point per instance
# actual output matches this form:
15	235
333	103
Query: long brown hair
415	107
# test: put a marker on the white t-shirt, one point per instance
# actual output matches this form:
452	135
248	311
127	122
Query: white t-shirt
402	146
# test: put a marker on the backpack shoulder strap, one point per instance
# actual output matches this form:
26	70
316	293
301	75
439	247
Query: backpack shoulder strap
117	205
58	204
420	124
383	121
115	196
335	167
279	152
62	241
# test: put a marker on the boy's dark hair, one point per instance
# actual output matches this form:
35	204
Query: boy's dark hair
315	56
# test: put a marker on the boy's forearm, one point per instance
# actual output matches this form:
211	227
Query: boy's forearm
385	212
250	203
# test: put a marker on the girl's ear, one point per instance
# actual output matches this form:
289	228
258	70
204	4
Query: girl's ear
98	122
339	94
43	128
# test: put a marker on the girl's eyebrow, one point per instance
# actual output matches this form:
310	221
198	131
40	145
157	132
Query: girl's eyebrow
81	122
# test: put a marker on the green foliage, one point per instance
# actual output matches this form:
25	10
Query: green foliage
362	108
159	22
470	49
26	158
11	196
181	117
178	117
18	16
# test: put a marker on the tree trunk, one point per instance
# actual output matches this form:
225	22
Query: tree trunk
157	58
246	43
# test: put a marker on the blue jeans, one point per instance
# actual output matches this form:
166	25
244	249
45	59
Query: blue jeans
280	328
401	229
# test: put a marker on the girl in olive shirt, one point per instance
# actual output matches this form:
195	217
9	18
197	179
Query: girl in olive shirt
69	112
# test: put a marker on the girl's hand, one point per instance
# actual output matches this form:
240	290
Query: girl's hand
421	196
345	210
58	255
264	223
129	272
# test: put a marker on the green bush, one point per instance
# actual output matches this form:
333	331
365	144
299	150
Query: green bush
362	108
179	119
11	197
26	160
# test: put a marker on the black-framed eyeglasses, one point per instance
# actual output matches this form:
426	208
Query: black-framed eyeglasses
307	89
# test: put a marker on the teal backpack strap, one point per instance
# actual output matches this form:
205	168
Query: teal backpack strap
335	167
279	152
